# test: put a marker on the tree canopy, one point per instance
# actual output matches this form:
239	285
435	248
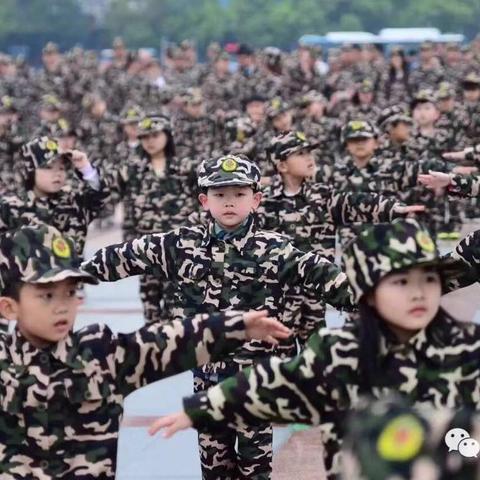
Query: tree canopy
259	22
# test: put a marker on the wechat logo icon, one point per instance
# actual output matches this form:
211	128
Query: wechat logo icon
458	439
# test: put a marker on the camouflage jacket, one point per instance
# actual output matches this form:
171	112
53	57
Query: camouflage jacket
218	92
468	185
251	270
70	211
62	406
422	78
195	140
310	217
152	203
438	367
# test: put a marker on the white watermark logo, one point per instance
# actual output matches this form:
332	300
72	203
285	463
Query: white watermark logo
458	439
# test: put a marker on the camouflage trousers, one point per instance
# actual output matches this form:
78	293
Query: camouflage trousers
244	453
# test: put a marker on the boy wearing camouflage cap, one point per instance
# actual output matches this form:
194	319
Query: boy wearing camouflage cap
228	263
62	392
309	213
401	341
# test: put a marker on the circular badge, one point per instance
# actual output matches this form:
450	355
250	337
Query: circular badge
51	145
229	165
146	123
357	125
401	439
61	248
301	136
425	241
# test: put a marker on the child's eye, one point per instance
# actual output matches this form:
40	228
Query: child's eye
400	281
46	296
240	194
432	278
219	195
72	292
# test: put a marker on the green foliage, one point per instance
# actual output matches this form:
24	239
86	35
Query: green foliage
259	22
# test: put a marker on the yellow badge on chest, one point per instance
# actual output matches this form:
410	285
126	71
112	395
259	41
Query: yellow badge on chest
401	439
51	145
229	165
61	248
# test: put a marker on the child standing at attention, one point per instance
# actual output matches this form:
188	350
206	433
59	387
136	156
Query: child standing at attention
227	264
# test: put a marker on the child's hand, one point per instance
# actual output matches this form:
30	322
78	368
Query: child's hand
260	327
457	156
79	159
173	424
464	170
435	180
407	209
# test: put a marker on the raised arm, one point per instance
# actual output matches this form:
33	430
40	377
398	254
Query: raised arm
160	350
147	254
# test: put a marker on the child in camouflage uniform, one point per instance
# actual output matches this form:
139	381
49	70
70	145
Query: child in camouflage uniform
402	341
308	213
48	198
62	392
228	263
157	198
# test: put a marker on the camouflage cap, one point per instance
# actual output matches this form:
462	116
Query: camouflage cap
272	55
50	102
286	144
154	124
38	254
131	114
393	114
358	129
7	104
471	78
50	47
425	95
61	128
191	96
275	107
311	97
381	249
445	91
229	170
366	86
239	129
40	152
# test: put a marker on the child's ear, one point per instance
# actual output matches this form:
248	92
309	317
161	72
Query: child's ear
8	308
282	167
257	198
203	199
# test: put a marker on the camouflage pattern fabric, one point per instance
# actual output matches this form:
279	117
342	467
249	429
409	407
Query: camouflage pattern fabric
389	439
435	368
228	170
71	211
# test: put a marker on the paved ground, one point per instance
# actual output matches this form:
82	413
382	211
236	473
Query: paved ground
297	455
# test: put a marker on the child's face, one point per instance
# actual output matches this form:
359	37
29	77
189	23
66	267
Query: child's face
131	130
283	121
361	148
52	179
400	132
425	114
471	95
231	205
256	111
195	110
67	143
408	301
316	109
45	312
154	143
300	165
